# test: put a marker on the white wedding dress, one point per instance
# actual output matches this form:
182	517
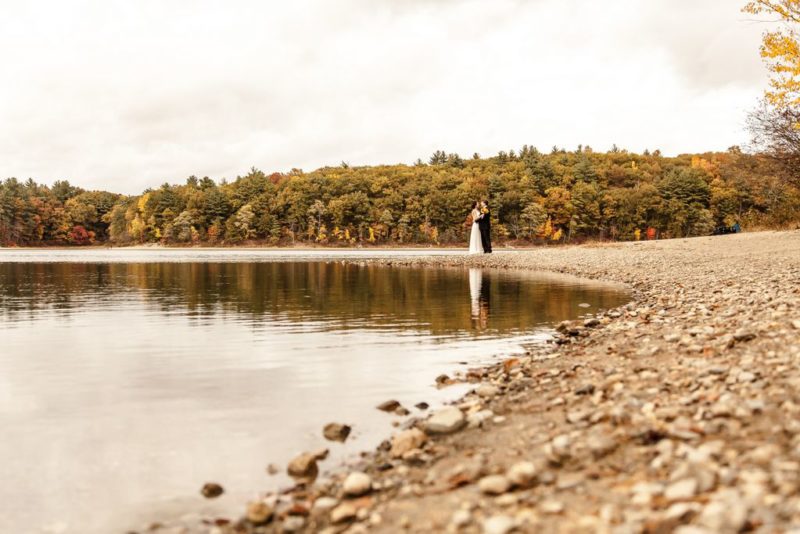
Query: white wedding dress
475	243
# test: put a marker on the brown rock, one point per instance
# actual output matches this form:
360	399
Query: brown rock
259	512
211	490
406	441
336	432
389	406
303	466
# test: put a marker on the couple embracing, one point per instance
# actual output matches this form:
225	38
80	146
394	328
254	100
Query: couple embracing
480	240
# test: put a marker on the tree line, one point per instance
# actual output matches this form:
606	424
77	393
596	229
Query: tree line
539	197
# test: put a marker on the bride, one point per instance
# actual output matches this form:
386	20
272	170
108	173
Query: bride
475	243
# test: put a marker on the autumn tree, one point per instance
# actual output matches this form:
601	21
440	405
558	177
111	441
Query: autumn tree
780	49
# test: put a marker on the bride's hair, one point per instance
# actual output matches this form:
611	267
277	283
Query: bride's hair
476	204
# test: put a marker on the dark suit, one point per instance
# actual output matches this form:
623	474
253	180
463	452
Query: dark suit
485	226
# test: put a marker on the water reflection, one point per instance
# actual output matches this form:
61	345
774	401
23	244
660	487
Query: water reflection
331	295
480	300
126	386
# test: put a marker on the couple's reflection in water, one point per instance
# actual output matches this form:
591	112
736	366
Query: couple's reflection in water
479	295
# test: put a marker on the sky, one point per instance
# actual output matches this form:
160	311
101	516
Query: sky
124	95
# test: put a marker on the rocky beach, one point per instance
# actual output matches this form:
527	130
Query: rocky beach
678	412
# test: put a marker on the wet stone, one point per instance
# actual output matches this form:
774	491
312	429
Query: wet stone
211	490
303	466
336	432
389	406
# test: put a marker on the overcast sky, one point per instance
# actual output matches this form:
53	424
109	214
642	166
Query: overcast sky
127	94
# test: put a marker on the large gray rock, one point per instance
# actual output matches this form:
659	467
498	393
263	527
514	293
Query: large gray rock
445	421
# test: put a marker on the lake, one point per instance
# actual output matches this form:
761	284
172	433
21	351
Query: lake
128	378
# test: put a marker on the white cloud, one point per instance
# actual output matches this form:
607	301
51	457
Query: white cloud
125	95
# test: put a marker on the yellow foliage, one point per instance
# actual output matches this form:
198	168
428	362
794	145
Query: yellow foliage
637	234
781	50
136	228
704	165
322	236
557	235
143	202
548	229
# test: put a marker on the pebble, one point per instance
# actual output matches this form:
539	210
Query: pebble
344	512
324	504
487	391
294	523
499	524
681	490
559	448
303	466
522	474
259	512
461	518
551	507
746	376
744	335
389	406
407	441
476	419
445	421
210	490
726	513
494	484
357	484
336	432
600	445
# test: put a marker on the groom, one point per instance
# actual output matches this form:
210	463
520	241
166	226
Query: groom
485	226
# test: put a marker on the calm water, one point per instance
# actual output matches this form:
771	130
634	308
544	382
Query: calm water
130	378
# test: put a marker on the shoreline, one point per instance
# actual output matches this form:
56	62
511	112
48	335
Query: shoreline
676	409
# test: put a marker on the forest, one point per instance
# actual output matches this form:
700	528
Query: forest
535	197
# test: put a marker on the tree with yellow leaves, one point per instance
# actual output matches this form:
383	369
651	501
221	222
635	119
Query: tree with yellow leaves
781	50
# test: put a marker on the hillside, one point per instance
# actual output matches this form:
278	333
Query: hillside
535	197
